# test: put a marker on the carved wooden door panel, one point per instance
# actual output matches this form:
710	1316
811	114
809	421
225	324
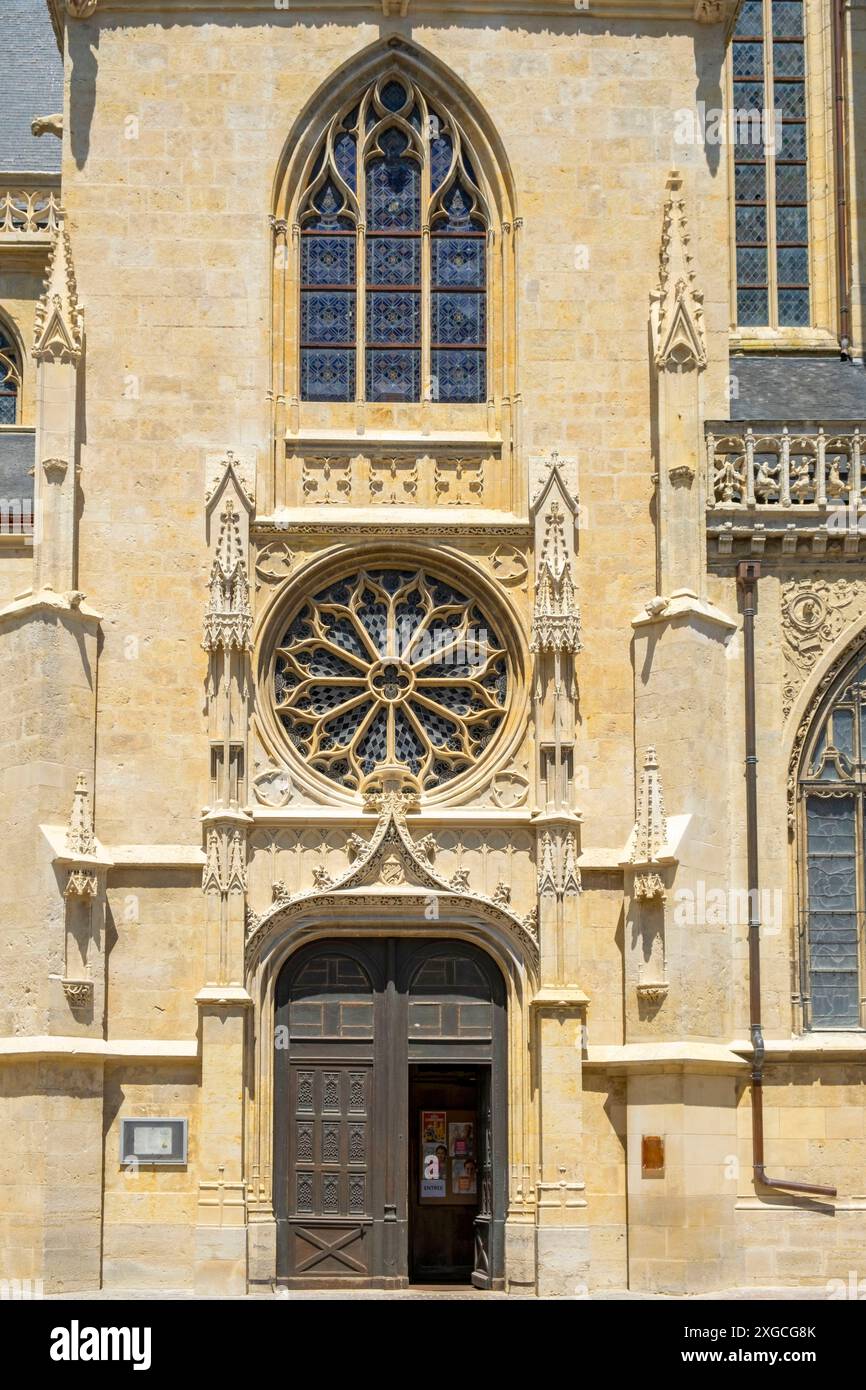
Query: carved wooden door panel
330	1191
331	1196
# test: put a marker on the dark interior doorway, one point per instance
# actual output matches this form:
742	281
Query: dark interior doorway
445	1105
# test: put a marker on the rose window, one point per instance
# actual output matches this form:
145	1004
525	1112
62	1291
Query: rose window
390	667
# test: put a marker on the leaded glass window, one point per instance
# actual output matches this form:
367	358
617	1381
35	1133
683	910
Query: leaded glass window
768	62
390	667
832	793
10	380
393	272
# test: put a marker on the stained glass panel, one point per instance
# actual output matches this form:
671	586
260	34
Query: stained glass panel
328	318
393	188
458	376
344	158
794	308
458	318
751	224
407	633
752	306
458	261
393	261
441	155
393	376
833	918
327	260
327	375
393	318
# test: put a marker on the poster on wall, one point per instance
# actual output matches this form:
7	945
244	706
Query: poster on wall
461	1139
447	1159
463	1177
433	1126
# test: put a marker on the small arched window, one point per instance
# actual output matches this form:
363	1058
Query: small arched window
393	273
833	825
10	378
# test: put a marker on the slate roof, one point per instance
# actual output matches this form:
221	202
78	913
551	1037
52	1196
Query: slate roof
31	84
797	388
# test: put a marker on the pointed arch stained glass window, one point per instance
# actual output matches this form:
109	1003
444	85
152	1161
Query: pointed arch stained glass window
386	313
832	792
10	379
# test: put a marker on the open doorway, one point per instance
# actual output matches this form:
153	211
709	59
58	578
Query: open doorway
446	1112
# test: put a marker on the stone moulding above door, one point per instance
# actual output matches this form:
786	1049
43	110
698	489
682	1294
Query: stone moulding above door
390	859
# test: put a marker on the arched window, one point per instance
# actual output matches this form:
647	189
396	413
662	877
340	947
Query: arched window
832	791
393	265
10	378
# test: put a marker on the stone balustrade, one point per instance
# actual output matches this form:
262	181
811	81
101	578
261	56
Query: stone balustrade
30	213
796	483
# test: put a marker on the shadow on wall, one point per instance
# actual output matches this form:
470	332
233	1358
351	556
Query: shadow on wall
83	43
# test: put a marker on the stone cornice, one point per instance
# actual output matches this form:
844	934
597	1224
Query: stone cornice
401	12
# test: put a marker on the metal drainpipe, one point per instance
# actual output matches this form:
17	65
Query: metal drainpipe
748	574
840	163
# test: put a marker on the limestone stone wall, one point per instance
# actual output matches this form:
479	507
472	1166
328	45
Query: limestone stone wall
149	1212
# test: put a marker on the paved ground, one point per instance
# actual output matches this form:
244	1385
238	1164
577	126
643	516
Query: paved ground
420	1294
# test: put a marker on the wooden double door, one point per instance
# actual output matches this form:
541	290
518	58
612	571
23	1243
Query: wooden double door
390	1126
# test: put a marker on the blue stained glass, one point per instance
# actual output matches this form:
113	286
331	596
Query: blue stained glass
753	307
787	18
750	20
833	928
751	265
394	195
393	96
793	308
344	158
441	153
751	224
327	260
458	375
790	99
8	399
749	183
458	260
748	60
393	261
790	183
458	205
328	374
393	376
789	60
458	318
791	140
328	318
393	318
792	265
792	224
328	203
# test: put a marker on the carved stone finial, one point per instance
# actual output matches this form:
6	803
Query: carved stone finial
228	621
59	320
677	306
81	9
391	791
556	616
650	831
80	838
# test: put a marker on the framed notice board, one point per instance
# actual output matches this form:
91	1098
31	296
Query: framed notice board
448	1159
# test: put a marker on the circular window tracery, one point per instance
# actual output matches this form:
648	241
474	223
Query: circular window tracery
390	667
